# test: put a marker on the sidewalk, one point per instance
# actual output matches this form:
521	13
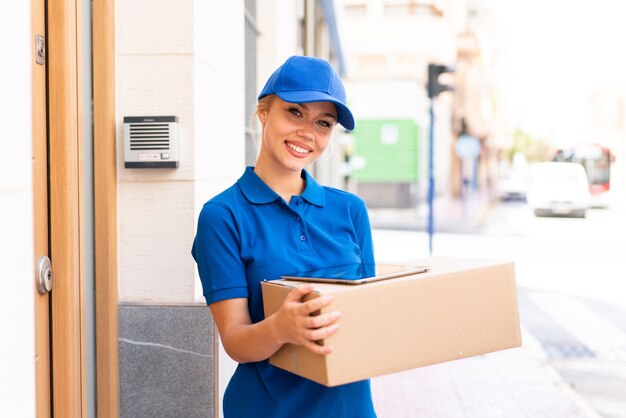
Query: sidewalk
512	383
449	214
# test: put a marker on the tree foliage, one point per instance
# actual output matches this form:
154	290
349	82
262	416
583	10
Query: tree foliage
532	147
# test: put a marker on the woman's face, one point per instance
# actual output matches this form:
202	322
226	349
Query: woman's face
295	134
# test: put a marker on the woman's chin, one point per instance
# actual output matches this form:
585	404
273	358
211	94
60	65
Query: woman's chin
297	164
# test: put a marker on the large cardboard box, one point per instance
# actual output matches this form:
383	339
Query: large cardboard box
461	308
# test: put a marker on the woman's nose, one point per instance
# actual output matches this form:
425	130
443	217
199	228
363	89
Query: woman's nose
306	131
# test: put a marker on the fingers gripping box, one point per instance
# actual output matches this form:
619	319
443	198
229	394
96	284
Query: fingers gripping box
460	308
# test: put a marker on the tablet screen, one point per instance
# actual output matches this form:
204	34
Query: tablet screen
357	273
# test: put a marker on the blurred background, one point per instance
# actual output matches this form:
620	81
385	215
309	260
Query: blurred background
531	83
526	102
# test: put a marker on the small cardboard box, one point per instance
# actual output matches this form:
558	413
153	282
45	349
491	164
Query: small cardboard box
461	308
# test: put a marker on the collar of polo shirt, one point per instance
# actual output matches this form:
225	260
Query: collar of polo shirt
256	191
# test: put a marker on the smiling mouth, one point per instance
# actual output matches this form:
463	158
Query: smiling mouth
298	149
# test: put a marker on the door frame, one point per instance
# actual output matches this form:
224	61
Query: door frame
59	223
65	154
105	208
40	213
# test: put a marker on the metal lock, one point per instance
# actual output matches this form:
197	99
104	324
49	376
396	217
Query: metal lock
40	44
44	275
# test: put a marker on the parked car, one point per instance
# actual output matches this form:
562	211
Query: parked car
513	187
514	179
559	188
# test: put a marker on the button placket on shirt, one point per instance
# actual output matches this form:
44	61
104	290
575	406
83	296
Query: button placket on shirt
304	244
302	233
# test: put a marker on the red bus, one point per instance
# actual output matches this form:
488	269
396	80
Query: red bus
597	162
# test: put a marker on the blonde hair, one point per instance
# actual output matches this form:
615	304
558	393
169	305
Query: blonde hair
262	105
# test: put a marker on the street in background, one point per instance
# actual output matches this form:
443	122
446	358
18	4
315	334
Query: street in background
570	275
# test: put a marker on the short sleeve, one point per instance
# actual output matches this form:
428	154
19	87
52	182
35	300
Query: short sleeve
216	249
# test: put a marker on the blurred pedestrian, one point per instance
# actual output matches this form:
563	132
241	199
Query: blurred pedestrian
276	219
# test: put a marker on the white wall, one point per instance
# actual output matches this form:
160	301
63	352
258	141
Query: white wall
17	324
182	58
219	88
219	104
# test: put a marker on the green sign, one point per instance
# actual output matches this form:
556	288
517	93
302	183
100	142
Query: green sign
388	149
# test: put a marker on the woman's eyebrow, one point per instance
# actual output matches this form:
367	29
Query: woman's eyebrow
305	107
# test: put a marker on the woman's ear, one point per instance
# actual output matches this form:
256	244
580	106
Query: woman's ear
262	116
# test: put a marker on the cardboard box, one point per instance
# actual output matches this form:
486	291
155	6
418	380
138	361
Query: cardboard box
461	308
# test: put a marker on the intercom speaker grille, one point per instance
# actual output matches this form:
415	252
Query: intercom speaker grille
151	141
149	137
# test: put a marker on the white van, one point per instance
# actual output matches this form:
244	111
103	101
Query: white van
559	188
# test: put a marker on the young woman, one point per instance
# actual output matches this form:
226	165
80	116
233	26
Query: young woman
276	219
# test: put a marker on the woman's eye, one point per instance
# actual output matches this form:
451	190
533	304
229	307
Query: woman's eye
295	111
325	124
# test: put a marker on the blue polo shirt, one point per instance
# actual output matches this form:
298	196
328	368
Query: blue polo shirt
248	234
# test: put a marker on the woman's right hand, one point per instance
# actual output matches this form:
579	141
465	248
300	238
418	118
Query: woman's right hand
294	323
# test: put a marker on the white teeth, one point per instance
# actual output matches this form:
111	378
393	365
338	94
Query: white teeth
298	149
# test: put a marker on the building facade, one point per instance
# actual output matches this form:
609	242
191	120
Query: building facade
124	330
388	77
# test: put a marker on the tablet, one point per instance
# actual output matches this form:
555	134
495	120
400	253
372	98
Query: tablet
356	273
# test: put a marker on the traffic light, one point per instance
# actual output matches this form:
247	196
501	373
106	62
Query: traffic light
434	87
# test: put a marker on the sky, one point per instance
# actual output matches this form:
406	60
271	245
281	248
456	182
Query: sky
558	52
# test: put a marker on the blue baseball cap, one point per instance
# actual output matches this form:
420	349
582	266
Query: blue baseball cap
308	79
